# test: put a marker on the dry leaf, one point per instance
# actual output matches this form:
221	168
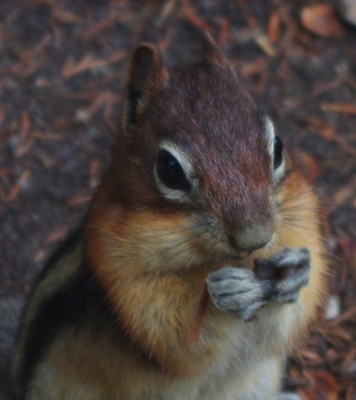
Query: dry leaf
274	28
195	19
89	62
48	136
25	125
265	44
307	394
23	148
21	182
341	333
347	250
349	360
97	28
56	235
311	167
343	194
322	20
80	199
95	168
327	384
66	17
310	355
224	32
320	382
338	107
168	8
255	67
2	114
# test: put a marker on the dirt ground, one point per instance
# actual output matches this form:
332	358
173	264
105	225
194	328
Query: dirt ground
62	64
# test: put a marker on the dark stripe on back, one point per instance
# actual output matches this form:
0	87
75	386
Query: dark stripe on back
71	305
77	301
64	248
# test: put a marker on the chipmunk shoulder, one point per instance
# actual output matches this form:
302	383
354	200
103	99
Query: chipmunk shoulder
199	263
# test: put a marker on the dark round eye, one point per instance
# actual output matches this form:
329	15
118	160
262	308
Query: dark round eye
170	172
278	152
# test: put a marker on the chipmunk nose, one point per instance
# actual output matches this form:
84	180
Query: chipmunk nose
252	237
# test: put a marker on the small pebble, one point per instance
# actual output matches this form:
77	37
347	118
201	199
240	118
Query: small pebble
332	309
82	116
347	9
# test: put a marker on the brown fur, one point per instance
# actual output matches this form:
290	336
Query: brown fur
133	235
151	255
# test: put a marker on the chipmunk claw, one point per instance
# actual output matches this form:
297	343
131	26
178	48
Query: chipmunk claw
236	290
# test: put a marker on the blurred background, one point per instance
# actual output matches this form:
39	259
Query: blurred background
62	64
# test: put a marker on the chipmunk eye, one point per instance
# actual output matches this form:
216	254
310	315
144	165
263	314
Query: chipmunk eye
170	172
278	152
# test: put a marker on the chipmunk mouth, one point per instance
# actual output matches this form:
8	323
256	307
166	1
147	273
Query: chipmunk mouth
236	258
239	256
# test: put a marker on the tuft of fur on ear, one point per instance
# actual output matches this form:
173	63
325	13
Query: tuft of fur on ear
146	76
212	53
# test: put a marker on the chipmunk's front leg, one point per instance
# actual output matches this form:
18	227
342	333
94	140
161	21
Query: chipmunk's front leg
275	280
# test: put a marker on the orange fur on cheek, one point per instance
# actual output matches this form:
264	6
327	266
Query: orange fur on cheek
300	228
155	294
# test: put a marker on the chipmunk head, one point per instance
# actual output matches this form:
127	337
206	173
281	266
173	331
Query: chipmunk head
192	141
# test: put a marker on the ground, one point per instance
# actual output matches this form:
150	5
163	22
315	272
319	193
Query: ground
62	64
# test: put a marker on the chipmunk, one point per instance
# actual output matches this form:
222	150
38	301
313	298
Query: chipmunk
199	263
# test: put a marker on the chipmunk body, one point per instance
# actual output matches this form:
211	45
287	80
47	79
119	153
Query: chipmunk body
199	263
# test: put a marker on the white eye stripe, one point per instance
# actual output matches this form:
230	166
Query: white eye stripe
179	155
187	167
270	135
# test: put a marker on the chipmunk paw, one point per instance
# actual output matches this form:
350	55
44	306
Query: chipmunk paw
284	274
237	290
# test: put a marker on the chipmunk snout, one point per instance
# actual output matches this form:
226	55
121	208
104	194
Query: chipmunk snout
252	237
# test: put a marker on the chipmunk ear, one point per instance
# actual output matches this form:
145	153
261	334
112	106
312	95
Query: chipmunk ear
146	76
212	53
